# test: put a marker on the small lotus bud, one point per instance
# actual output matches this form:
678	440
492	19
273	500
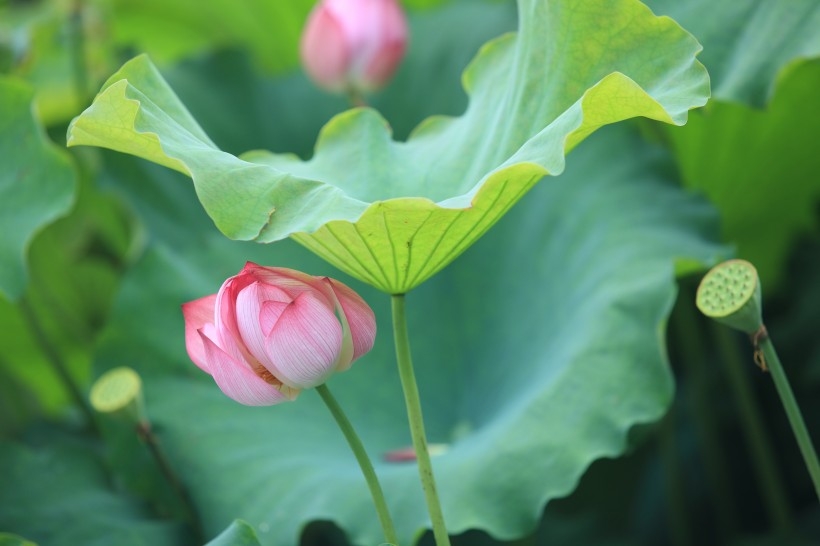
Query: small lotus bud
730	294
353	46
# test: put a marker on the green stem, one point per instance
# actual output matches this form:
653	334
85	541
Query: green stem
751	421
781	383
364	462
56	361
146	434
77	47
411	398
356	98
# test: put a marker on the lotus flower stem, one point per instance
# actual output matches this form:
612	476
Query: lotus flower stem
781	383
414	415
356	98
364	462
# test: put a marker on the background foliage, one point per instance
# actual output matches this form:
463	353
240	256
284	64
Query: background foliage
539	350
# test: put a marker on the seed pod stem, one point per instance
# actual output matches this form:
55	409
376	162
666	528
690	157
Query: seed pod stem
730	294
796	421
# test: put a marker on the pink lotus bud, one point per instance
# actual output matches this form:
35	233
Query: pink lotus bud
353	45
272	331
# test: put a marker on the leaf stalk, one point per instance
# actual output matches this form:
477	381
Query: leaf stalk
416	420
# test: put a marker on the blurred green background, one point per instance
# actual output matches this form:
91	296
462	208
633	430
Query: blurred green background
562	322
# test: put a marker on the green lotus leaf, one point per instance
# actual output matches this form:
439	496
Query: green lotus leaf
748	43
394	213
759	167
752	151
59	493
536	353
36	182
74	266
7	539
238	533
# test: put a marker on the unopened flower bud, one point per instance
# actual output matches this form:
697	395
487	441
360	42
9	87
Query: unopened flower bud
353	46
271	332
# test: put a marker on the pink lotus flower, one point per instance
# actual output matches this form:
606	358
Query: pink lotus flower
353	45
271	332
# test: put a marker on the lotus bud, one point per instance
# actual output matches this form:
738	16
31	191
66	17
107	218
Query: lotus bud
270	332
353	46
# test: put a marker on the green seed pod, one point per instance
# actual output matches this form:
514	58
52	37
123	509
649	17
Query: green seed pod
119	391
730	294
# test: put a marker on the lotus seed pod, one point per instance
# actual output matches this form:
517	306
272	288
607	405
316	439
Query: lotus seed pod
730	294
119	391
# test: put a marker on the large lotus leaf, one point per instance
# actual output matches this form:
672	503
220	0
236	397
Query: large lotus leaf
36	182
759	167
756	164
747	43
391	213
536	353
59	493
